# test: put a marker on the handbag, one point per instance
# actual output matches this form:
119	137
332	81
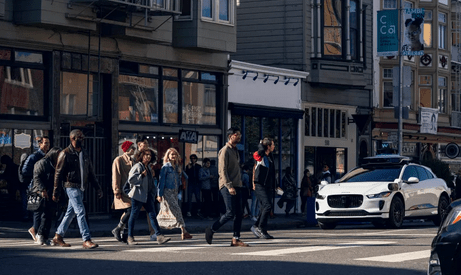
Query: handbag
34	201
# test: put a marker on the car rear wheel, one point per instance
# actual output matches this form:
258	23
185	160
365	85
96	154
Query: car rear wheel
396	213
442	208
327	225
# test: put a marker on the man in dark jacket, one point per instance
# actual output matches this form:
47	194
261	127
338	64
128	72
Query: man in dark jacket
27	174
74	172
193	184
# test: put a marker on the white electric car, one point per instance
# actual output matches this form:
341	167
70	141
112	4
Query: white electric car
386	190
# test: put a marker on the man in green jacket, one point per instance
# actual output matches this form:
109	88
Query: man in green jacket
230	185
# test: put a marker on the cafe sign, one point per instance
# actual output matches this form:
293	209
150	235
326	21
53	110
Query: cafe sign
188	136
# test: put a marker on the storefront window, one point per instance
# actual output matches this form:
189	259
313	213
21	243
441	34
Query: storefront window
138	98
288	143
252	134
199	103
170	101
21	91
76	98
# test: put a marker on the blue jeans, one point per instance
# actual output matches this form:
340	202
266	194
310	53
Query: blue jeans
233	211
149	206
75	207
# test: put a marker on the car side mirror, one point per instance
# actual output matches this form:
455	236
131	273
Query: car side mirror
412	180
393	186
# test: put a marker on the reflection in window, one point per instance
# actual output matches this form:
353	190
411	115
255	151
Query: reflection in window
388	94
442	95
138	98
252	133
427	36
306	122
270	127
76	99
354	29
170	101
332	28
199	103
21	91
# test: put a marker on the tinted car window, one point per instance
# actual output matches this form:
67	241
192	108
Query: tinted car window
409	172
372	174
422	174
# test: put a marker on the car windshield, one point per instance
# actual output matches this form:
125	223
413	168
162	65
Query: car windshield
363	174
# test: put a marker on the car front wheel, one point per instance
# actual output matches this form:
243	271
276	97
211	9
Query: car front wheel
396	213
441	209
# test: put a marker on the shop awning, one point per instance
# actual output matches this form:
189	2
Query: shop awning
264	111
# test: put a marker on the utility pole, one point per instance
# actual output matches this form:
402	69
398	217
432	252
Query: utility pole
401	37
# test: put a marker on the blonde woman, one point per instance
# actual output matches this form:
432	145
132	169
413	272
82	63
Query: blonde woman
170	215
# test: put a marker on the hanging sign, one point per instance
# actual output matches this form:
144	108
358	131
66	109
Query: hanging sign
388	37
188	136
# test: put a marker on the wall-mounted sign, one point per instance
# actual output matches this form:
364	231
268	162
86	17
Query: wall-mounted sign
22	141
429	118
188	136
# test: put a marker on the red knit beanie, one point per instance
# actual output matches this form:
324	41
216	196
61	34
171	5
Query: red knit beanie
126	145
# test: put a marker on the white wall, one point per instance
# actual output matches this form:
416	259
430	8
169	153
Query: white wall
247	91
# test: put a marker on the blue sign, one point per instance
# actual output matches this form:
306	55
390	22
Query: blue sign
388	37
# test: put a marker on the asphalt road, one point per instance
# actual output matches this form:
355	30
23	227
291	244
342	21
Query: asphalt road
351	249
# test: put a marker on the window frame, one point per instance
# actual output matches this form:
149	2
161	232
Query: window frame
215	12
43	66
345	29
442	35
178	76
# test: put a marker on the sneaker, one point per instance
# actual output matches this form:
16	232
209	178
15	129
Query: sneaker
266	235
256	231
88	244
237	242
162	239
209	235
200	215
32	233
40	240
47	242
131	241
189	214
153	237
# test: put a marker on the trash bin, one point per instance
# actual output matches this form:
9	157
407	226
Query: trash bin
311	211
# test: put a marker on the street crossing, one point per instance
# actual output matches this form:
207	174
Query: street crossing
295	243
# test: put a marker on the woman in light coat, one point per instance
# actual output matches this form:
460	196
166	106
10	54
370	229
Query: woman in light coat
170	215
143	192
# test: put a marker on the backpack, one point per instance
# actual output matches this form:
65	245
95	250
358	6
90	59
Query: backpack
23	159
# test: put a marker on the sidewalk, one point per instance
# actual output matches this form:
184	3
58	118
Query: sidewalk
101	226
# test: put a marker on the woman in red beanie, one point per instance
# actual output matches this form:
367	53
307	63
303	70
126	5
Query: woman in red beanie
120	169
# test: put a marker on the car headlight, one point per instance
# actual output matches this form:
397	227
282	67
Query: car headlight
453	217
320	197
380	195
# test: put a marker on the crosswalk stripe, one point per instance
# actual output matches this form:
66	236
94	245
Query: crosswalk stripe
397	258
279	252
167	248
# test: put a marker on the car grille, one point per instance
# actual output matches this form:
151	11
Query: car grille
346	213
345	201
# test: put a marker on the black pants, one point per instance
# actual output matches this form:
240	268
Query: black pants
233	211
263	195
126	216
46	218
207	206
